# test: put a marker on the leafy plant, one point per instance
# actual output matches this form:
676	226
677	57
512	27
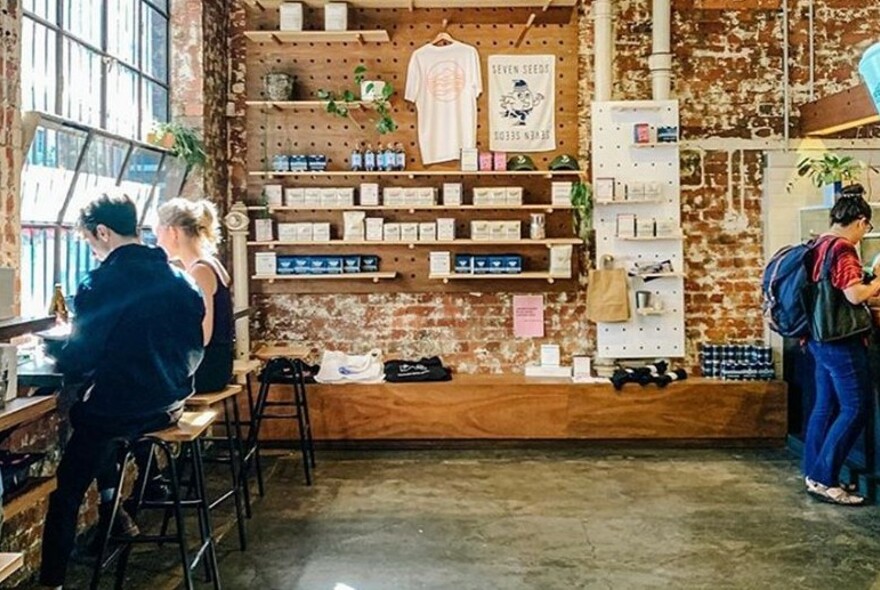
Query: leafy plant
340	103
187	143
831	168
582	208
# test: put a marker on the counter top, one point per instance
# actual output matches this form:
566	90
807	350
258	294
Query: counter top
39	373
13	327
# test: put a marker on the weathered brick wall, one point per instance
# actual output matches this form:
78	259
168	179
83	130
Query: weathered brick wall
10	131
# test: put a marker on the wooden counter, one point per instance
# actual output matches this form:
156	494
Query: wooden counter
513	407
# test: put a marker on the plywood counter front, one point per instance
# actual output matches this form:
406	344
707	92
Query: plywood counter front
512	407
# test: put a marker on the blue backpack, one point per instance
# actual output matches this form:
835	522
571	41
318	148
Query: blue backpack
784	286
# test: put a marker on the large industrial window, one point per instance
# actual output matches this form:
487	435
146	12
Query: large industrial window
95	73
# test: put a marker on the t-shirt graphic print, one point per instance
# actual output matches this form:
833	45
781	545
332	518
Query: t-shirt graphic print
444	83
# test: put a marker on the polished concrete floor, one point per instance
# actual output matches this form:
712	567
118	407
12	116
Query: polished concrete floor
618	519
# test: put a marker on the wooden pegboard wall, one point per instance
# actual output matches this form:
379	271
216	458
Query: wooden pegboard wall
330	66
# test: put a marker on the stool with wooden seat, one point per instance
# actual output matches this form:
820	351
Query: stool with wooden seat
251	460
232	423
287	371
188	432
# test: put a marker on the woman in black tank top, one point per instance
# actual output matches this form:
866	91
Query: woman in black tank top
188	231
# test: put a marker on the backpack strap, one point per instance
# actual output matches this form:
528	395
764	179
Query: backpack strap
828	261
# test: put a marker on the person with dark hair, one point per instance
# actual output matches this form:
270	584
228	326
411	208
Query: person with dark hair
136	340
843	381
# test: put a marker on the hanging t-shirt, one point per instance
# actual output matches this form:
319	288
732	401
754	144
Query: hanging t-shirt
444	83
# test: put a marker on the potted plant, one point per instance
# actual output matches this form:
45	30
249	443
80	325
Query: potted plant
582	208
181	141
830	171
375	94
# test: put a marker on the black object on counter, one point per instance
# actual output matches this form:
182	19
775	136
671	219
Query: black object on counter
424	369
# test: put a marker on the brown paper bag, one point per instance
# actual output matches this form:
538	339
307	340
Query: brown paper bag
608	296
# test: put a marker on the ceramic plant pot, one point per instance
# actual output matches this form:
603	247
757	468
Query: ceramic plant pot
278	86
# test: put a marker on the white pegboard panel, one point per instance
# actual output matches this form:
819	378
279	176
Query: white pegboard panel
615	155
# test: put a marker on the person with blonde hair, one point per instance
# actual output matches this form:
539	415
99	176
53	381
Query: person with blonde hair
189	232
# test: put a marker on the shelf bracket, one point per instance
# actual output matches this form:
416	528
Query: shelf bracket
551	280
411	5
525	30
259	5
277	39
547	5
375	279
360	38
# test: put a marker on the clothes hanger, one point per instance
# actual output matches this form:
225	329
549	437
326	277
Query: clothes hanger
443	35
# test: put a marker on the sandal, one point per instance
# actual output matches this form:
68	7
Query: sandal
813	486
837	496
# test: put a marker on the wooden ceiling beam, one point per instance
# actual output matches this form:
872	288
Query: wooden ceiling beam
838	112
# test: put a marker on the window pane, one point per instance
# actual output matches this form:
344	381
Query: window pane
100	169
122	35
83	18
37	268
82	97
155	44
39	70
122	101
139	175
155	106
160	4
42	8
48	172
168	186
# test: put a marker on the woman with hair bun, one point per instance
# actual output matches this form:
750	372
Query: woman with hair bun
189	232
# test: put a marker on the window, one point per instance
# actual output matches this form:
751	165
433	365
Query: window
103	63
96	72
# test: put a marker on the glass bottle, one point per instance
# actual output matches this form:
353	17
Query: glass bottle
390	157
357	158
58	306
381	165
400	154
369	159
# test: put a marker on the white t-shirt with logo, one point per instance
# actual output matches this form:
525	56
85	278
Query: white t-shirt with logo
444	83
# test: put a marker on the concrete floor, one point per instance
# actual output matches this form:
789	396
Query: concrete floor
541	520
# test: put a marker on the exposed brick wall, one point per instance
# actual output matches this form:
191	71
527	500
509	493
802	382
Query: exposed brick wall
10	131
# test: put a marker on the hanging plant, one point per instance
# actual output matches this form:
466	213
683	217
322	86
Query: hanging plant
341	103
183	142
582	208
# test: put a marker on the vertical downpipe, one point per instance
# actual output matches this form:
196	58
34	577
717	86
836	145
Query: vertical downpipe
660	61
603	48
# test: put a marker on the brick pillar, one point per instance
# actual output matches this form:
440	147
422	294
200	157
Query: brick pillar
10	133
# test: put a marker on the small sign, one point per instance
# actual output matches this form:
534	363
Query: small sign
528	316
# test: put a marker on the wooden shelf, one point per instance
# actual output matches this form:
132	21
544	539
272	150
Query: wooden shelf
661	275
527	276
651	238
647	312
336	243
414	208
656	144
296	105
30	495
263	5
14	327
282	37
354	276
633	202
25	409
637	105
10	563
417	173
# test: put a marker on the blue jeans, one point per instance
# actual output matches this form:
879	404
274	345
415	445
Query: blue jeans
843	384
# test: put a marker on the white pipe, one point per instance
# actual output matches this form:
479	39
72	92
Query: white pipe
812	39
660	61
786	89
603	49
237	222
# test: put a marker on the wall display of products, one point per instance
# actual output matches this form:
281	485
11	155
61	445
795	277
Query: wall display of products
637	218
737	362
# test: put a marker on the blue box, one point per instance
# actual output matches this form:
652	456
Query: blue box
281	163
369	263
351	264
299	163
513	264
464	264
333	265
317	162
317	265
496	264
481	265
667	134
290	265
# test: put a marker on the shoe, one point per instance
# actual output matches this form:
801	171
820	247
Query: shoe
814	487
158	490
838	496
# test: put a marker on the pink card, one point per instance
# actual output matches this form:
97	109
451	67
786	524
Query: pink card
528	316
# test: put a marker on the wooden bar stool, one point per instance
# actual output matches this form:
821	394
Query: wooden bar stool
233	439
287	371
242	370
187	432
